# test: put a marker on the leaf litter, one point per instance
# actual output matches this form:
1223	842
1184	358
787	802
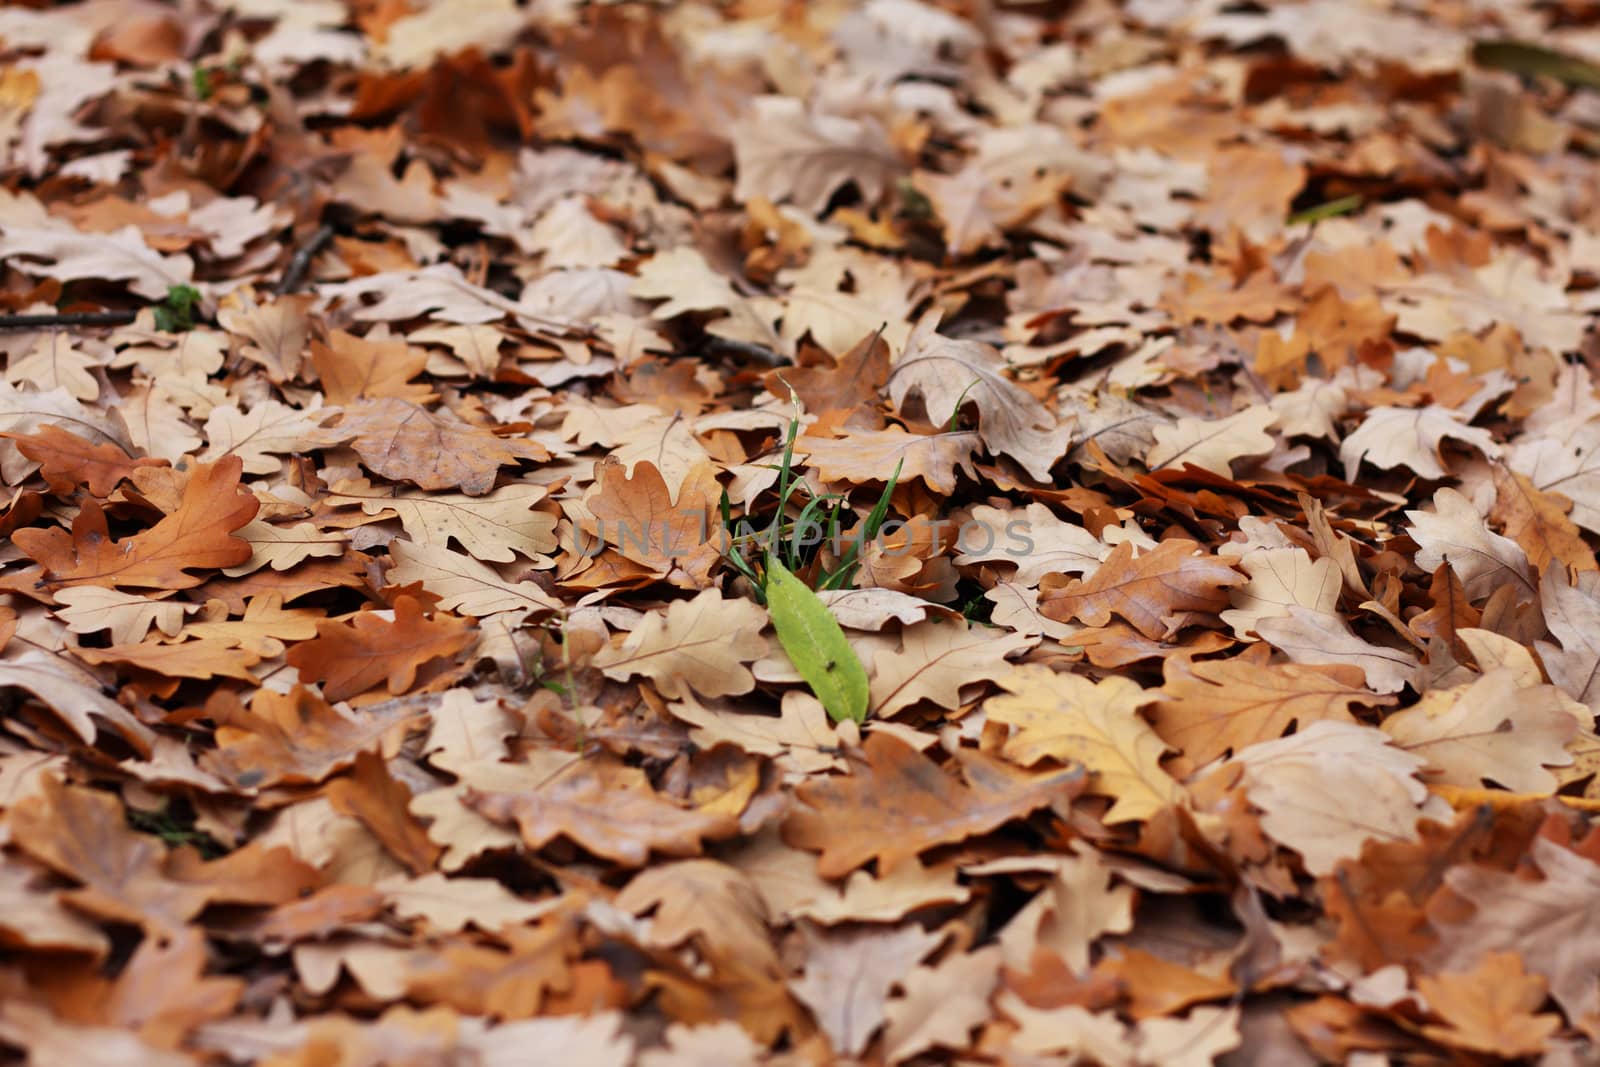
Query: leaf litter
912	531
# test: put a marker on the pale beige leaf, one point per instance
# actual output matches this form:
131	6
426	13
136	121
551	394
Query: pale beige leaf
701	645
1494	729
782	152
282	547
462	583
1392	437
849	974
1214	444
495	527
1304	785
948	373
800	739
1067	717
1281	578
448	905
55	362
936	660
941	1005
467	730
1454	532
1315	637
118	256
91	608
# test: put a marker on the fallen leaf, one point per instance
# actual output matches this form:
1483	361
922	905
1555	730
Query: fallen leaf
900	804
1071	719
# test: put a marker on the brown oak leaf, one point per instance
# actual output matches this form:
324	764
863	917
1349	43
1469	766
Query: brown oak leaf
196	536
900	803
350	658
1156	592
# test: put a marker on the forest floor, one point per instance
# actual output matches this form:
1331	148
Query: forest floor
910	532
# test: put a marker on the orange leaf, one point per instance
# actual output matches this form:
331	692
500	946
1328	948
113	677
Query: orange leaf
1155	592
381	803
609	809
68	461
351	658
196	536
901	803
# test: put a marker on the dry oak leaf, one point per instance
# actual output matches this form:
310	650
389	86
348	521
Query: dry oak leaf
609	809
1313	637
32	916
381	803
1490	1009
162	994
197	535
1392	437
653	526
899	803
848	976
937	659
475	978
1455	533
712	904
1156	592
293	738
272	335
496	527
352	367
430	449
949	373
1068	718
701	645
67	461
800	739
872	456
88	609
449	905
942	1004
82	834
200	659
118	256
1572	612
1213	444
850	382
1281	578
350	658
1209	707
261	435
1538	521
74	693
462	583
285	547
783	153
1305	785
1498	728
54	363
1552	924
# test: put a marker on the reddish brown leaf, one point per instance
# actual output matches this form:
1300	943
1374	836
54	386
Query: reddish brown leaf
350	658
195	537
900	803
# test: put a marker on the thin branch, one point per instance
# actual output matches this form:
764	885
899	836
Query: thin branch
67	318
300	262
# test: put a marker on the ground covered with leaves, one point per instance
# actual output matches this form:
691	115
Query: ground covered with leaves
400	402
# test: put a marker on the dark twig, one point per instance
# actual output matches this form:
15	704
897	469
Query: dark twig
751	353
67	318
300	263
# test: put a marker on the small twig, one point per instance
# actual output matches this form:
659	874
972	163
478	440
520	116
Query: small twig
300	262
751	352
67	318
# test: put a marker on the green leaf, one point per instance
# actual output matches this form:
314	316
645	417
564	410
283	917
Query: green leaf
817	646
1531	60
